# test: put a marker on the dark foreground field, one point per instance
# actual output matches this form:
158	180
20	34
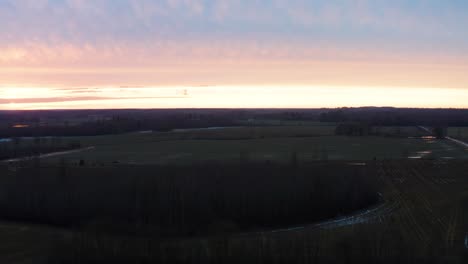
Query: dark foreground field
399	211
271	191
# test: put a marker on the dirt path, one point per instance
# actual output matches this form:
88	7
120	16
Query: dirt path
48	155
459	142
377	214
374	214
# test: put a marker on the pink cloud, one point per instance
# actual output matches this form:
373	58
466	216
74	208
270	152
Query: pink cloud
77	98
167	52
47	41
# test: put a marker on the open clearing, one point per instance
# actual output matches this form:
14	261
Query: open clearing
458	132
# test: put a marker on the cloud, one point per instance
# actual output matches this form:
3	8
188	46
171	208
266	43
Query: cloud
165	53
96	37
90	21
76	99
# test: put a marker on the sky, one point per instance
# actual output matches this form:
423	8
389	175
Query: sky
57	54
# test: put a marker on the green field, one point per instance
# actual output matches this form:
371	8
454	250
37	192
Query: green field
277	122
458	132
257	143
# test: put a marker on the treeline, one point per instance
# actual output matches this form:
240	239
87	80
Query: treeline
398	116
197	200
20	147
113	124
353	129
391	237
101	122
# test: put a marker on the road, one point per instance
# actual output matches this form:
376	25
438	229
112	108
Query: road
425	129
48	155
457	141
375	214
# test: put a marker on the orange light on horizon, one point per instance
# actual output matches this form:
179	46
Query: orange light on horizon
20	126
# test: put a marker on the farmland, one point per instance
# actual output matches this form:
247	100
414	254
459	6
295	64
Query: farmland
259	143
458	132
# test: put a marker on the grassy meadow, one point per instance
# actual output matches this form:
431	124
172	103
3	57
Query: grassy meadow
458	132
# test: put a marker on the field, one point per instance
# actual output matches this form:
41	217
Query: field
458	132
260	144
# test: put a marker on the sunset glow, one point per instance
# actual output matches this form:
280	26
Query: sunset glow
232	97
297	54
